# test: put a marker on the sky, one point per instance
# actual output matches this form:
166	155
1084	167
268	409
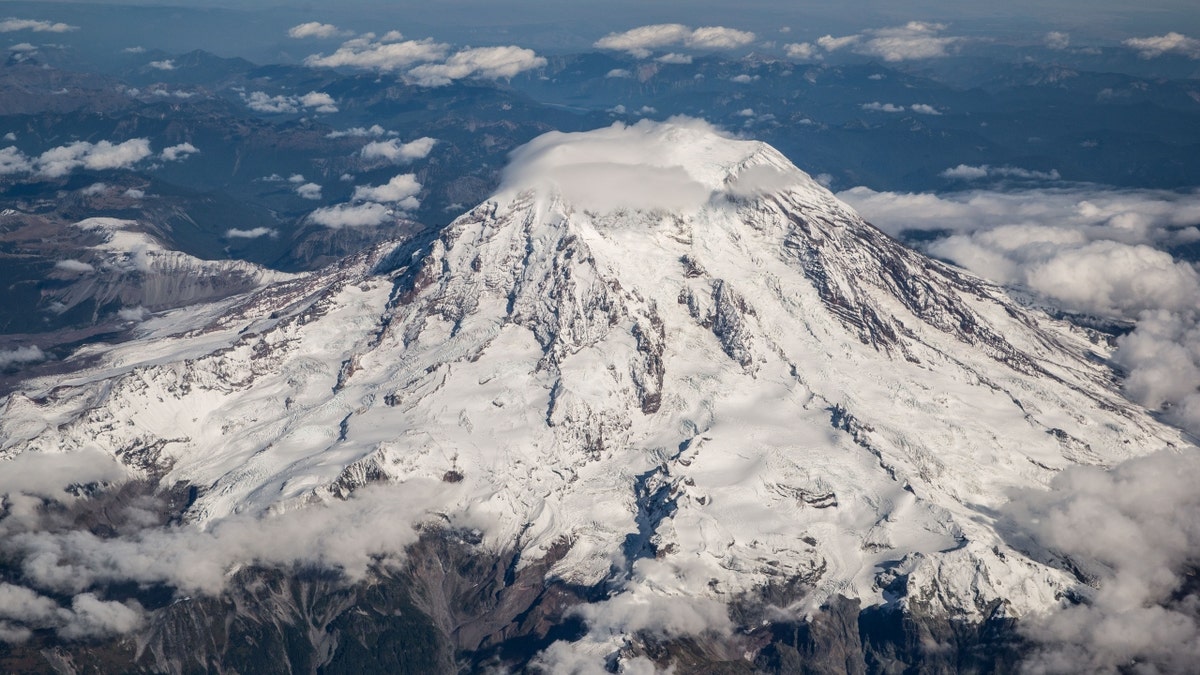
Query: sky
250	28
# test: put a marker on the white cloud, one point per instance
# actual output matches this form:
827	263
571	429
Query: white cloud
968	172
618	72
876	106
132	313
13	160
309	191
1171	43
1085	249
1134	529
914	40
133	50
384	55
316	29
361	132
397	152
642	166
297	178
802	51
251	234
134	193
400	190
718	37
74	266
924	109
744	78
177	152
641	41
100	156
19	355
94	189
675	58
481	62
322	102
166	64
260	101
368	214
1057	40
12	25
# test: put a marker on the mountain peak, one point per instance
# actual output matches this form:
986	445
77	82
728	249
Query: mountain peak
666	356
678	165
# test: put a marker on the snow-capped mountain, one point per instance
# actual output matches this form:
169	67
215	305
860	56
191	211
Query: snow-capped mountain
659	362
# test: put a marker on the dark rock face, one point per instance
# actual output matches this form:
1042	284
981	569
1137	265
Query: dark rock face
453	608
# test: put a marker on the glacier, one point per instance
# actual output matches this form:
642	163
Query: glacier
659	360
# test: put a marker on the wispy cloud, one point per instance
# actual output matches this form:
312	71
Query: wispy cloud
251	234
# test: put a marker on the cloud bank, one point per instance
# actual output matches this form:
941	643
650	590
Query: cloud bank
1134	530
1090	250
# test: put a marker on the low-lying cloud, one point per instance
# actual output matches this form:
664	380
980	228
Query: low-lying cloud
968	172
175	153
253	233
62	160
385	54
398	152
1134	530
12	25
641	42
19	356
912	41
318	101
1092	250
1171	43
401	190
489	63
369	214
316	29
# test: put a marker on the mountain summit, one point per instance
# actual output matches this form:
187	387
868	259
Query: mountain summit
660	363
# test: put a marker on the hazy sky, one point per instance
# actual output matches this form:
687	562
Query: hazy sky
254	28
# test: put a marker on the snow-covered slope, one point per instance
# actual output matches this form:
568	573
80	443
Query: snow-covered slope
132	269
669	350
